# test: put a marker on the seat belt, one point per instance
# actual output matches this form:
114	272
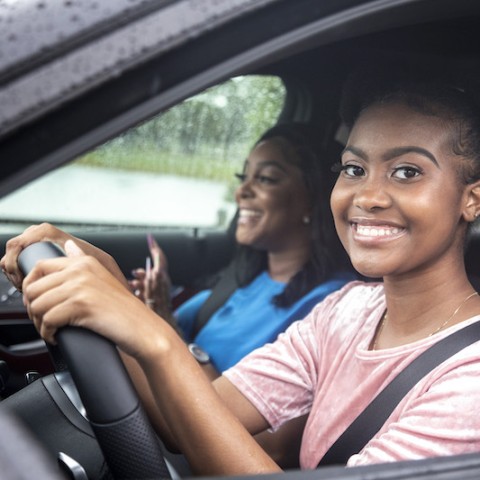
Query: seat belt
371	420
225	286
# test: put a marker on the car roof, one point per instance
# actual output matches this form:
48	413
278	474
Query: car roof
101	67
51	51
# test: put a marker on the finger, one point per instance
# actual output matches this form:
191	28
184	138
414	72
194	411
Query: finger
163	259
150	241
57	316
137	288
157	264
9	261
44	268
155	251
14	246
147	288
136	284
66	297
52	273
73	250
139	274
43	295
35	287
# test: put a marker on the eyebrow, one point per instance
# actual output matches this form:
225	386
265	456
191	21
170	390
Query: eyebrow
268	163
395	152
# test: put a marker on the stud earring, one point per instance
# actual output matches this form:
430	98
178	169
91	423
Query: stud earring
306	219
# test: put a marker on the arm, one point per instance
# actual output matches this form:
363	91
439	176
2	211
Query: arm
284	444
210	425
148	401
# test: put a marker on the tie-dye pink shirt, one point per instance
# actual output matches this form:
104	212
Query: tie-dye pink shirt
322	364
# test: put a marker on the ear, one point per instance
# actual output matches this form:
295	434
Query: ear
471	208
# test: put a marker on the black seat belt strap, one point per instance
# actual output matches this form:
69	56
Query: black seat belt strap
369	422
226	285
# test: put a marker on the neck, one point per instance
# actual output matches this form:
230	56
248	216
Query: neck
282	266
418	307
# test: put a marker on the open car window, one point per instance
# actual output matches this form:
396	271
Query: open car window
175	170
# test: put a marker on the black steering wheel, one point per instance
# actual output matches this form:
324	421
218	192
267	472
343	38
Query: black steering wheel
124	433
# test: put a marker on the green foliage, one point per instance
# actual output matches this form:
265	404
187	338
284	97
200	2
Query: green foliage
207	136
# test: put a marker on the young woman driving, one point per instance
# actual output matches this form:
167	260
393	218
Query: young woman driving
407	192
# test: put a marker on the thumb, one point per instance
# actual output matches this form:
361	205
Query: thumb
72	249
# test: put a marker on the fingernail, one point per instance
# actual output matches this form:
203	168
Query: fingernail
150	240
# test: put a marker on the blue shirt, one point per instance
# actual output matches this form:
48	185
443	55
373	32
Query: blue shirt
248	319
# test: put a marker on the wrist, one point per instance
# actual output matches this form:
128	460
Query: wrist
160	344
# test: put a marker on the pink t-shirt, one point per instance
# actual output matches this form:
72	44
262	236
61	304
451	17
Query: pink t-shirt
322	365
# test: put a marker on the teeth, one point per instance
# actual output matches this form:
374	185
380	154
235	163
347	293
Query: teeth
369	231
249	213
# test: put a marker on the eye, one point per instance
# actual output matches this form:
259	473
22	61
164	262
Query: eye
241	177
352	170
406	172
266	180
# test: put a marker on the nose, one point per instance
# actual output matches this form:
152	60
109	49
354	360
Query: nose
372	194
244	190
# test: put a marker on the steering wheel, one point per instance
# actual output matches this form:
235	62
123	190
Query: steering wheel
124	433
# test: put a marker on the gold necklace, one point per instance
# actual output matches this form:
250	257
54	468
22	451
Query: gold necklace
384	320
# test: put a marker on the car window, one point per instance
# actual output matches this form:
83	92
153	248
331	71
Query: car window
175	170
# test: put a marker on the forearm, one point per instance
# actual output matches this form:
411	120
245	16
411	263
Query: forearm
210	371
206	431
149	404
164	310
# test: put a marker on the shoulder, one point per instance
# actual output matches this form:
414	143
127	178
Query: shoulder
354	297
466	362
345	315
317	294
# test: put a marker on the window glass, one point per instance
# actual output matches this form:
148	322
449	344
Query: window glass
174	170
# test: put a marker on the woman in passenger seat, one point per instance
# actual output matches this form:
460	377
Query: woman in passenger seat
288	257
407	192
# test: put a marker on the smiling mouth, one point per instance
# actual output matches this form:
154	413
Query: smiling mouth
377	231
247	215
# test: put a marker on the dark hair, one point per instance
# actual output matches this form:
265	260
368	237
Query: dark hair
427	89
327	254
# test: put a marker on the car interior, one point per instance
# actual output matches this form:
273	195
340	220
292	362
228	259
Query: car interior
311	48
